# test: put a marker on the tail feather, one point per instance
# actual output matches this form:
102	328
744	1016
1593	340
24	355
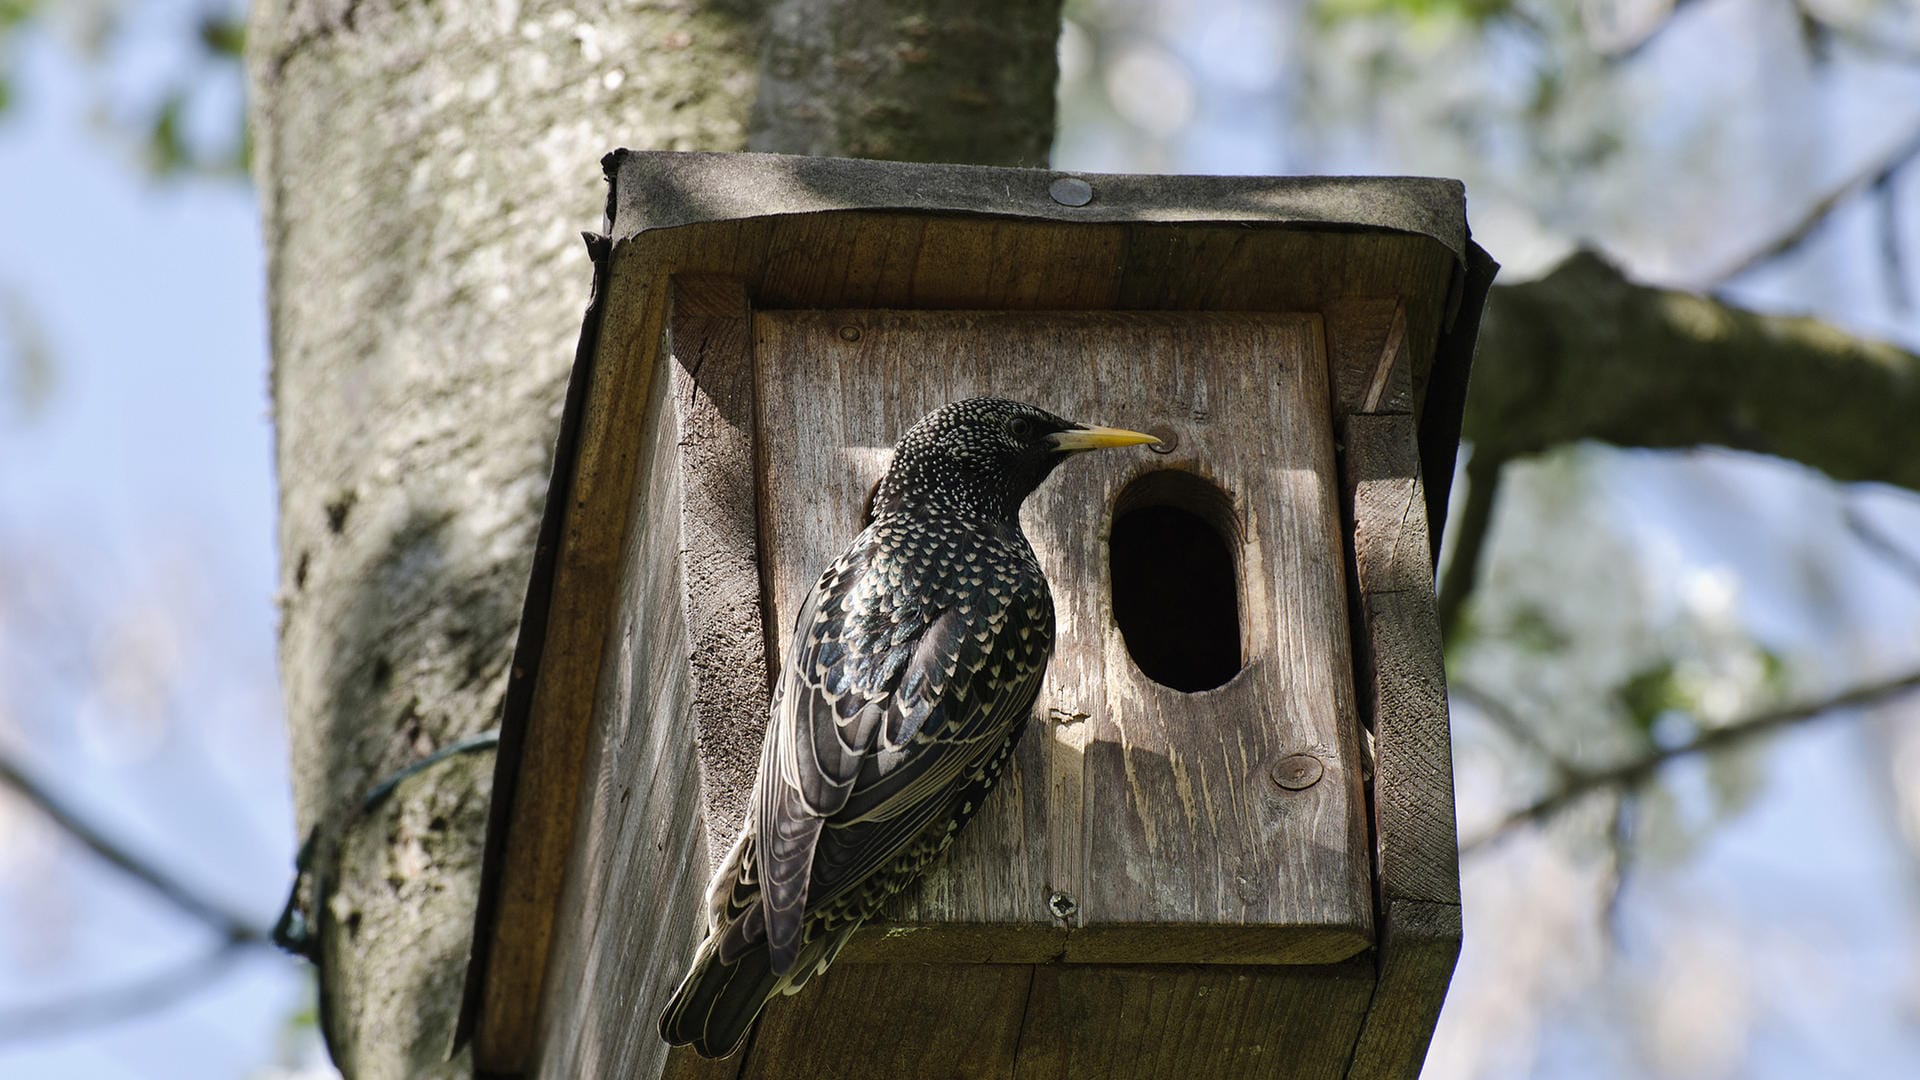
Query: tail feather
717	1002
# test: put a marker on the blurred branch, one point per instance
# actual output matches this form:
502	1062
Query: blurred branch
1629	775
1476	517
1584	353
92	1008
1633	47
1877	540
1620	843
1893	262
1879	171
1508	720
234	929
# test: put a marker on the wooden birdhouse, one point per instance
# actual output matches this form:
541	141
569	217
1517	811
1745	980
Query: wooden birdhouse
1226	847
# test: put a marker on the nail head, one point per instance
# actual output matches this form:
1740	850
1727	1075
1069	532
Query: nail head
1297	772
1071	191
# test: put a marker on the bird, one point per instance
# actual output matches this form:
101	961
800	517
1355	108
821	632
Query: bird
905	687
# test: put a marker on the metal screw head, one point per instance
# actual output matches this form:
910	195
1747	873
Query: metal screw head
1297	772
1062	905
849	333
1071	191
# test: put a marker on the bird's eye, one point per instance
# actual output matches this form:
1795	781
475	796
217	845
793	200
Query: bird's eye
1020	427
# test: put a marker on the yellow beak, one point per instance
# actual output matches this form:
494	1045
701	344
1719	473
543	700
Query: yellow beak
1099	438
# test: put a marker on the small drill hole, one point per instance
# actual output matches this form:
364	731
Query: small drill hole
1174	558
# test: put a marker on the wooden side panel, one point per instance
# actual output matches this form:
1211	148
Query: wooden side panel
709	336
1154	1022
626	915
1402	681
1117	771
593	545
905	1022
1419	943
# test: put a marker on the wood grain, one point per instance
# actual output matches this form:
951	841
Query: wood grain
1152	1022
1371	363
710	340
891	1022
1119	772
593	540
638	860
1404	666
1419	943
1400	669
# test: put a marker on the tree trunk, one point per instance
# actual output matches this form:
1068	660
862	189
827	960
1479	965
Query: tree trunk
424	171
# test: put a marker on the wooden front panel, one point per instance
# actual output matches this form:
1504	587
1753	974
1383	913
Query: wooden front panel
1153	813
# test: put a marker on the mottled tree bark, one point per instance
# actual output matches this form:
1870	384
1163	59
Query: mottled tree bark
968	81
425	170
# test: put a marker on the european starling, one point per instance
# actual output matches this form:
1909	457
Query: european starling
907	683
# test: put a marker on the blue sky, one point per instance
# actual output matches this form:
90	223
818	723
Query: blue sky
140	497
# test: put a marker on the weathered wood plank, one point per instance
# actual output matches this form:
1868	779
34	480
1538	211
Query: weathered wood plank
1154	1022
638	860
710	338
894	1022
542	820
1419	943
1119	770
1402	678
1404	665
1372	366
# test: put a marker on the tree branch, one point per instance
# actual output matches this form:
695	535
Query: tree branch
234	929
93	1008
1484	471
1586	354
1877	172
1631	774
1504	717
1877	540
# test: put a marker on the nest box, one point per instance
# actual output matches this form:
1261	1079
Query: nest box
1226	848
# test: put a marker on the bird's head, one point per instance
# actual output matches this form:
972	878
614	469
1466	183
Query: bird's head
983	456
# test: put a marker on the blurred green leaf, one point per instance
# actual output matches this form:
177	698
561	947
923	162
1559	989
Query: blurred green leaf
166	150
1650	692
25	355
15	12
1476	11
223	36
1531	628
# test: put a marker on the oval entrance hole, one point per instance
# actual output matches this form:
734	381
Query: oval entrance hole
1174	557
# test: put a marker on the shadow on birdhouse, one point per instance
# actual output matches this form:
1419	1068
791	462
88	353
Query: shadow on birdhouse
1225	847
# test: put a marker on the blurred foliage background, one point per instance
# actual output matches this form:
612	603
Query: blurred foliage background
1688	763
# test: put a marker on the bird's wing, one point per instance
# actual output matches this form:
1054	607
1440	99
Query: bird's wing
879	713
831	702
941	777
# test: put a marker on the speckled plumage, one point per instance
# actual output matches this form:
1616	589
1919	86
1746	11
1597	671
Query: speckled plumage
907	683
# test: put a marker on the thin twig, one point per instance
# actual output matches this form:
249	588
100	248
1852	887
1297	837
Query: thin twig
231	926
1875	539
1632	774
1893	261
1878	171
134	998
1508	719
1476	517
